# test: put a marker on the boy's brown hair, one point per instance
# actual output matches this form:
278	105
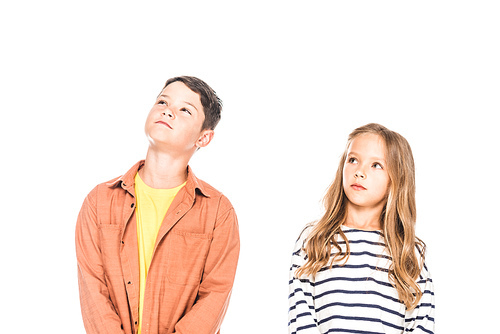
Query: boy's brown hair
212	105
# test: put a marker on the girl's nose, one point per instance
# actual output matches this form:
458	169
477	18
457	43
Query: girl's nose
359	174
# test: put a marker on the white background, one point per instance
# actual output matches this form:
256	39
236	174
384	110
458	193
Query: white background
296	77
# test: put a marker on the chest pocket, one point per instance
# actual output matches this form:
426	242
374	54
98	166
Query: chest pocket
110	236
187	253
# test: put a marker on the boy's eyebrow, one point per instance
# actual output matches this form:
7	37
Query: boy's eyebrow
163	95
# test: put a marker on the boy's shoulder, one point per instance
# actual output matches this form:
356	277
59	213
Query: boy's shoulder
117	185
125	180
212	194
206	188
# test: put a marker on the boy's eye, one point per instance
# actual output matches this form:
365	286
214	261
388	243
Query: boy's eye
186	111
162	102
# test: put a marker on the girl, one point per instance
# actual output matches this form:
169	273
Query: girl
360	268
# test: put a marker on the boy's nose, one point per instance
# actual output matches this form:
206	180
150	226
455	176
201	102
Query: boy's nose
169	114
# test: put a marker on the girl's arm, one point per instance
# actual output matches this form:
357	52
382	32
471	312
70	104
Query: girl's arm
421	319
301	313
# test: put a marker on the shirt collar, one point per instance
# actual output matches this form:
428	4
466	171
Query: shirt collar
127	181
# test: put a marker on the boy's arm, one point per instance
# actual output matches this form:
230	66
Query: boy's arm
98	312
215	289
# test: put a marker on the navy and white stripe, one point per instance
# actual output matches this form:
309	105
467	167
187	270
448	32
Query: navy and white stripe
356	297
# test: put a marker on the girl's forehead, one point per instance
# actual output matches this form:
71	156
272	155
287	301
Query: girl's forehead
368	144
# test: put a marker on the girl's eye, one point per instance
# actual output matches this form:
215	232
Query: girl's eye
162	102
352	160
186	111
377	165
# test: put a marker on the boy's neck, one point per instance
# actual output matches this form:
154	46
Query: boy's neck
163	171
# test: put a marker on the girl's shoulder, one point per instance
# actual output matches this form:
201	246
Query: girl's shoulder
349	232
303	236
306	231
353	234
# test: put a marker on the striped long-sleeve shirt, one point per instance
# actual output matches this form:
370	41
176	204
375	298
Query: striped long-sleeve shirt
355	297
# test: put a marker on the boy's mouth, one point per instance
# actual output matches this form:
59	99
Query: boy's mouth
164	123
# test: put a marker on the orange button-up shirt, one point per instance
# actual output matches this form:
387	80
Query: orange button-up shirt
192	269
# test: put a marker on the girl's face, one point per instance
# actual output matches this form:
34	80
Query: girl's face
365	177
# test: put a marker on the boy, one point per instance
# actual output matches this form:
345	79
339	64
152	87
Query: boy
157	248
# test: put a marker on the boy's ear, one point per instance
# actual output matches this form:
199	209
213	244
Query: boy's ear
205	138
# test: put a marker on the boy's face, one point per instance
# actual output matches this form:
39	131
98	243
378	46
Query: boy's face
176	119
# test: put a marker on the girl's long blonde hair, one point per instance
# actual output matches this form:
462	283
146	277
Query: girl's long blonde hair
397	219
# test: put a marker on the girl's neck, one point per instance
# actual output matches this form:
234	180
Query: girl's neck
163	171
363	219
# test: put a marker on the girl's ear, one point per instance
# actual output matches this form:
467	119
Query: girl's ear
205	138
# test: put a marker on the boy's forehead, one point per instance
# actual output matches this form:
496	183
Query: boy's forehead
178	87
179	91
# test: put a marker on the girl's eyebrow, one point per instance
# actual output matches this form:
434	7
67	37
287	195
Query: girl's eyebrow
370	158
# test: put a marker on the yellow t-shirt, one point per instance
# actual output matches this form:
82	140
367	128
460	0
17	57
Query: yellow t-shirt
152	205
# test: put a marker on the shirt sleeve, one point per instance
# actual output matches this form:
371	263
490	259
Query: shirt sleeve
301	311
99	315
215	289
421	319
